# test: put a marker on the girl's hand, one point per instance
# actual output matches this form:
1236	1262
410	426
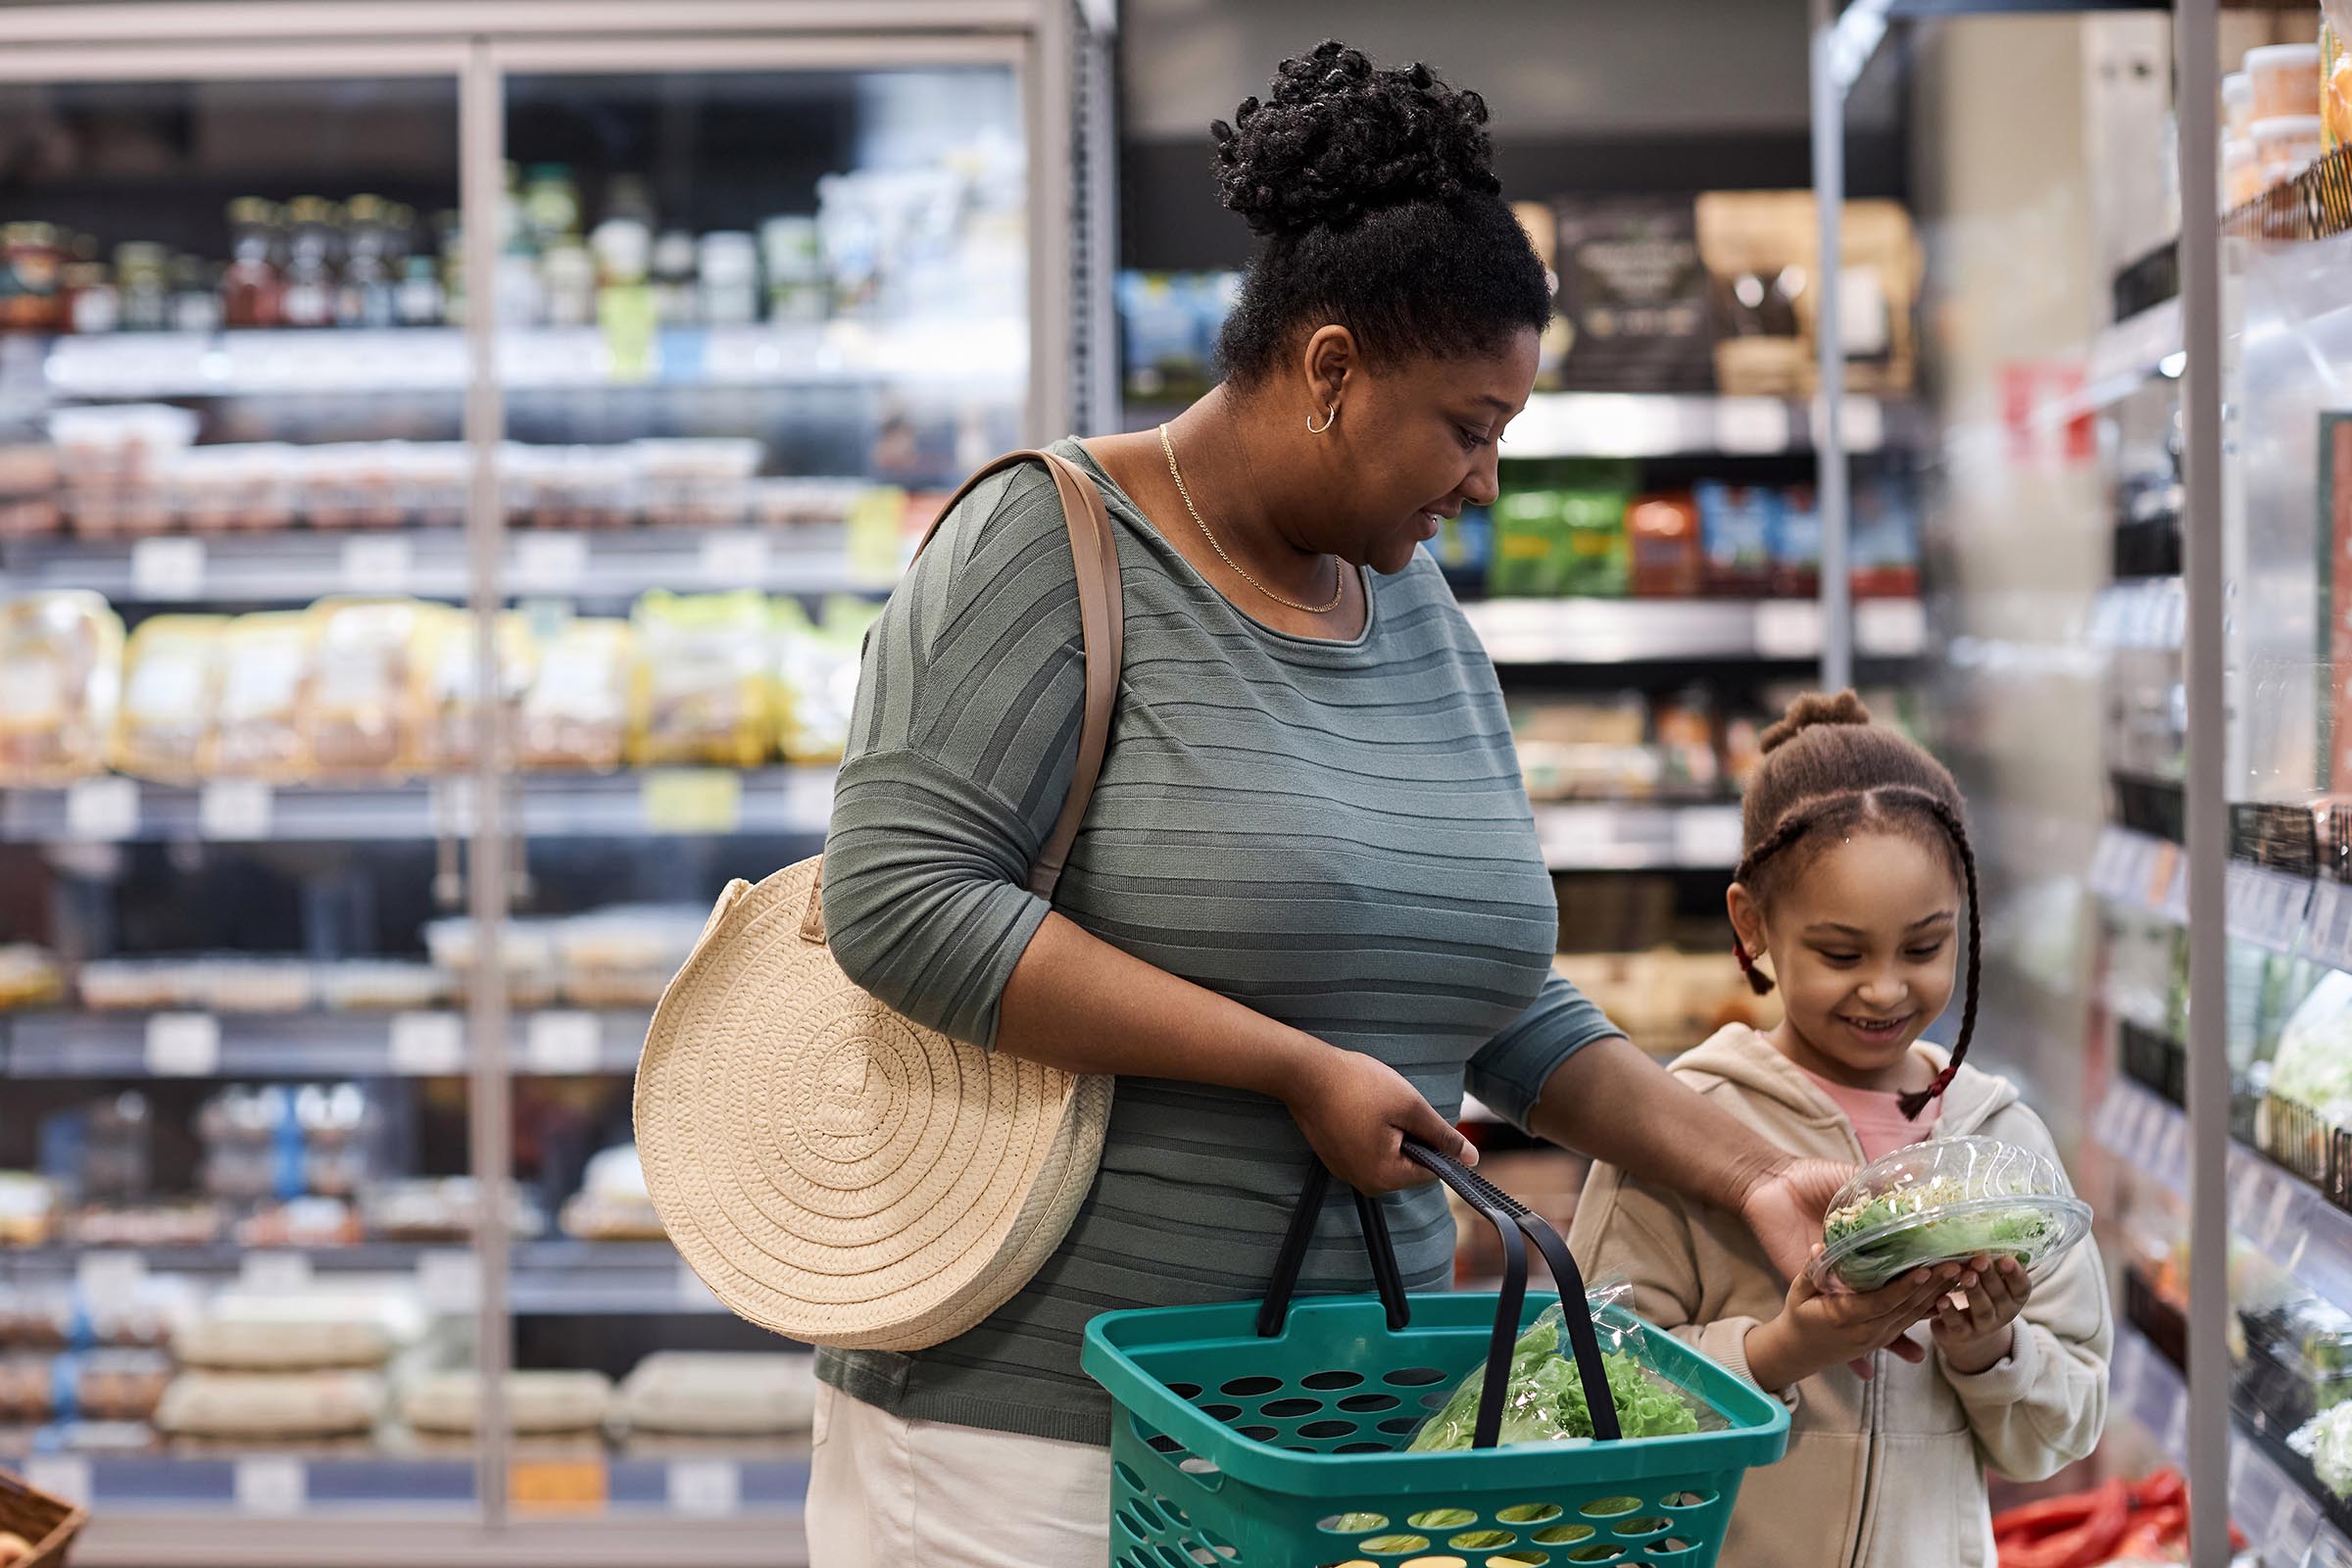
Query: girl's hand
1815	1331
1784	1205
1976	1335
1358	1113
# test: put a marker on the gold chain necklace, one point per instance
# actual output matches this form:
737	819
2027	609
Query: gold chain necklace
1337	571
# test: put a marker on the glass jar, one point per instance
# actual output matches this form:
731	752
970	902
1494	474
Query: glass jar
730	281
366	295
551	205
143	279
674	301
195	295
253	289
91	302
34	257
311	282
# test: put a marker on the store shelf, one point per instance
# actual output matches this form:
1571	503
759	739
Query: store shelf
2282	1522
167	1537
558	1277
1650	425
2286	1218
2276	909
633	804
428	1043
1627	632
297	566
1610	836
938	355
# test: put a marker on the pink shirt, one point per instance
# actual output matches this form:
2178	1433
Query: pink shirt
1880	1124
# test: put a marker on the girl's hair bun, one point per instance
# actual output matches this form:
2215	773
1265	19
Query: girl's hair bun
1810	710
1341	137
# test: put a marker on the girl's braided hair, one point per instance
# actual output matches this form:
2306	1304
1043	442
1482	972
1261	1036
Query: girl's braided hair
1828	770
1374	193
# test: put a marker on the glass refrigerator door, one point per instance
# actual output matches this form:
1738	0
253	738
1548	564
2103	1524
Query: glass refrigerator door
752	325
232	591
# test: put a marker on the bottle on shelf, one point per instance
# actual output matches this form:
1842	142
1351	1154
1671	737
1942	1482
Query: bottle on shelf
253	289
367	297
730	283
419	301
311	282
143	279
91	302
195	295
674	299
33	259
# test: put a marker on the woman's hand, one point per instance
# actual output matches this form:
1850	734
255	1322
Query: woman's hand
1976	1335
1358	1113
1785	1207
1817	1331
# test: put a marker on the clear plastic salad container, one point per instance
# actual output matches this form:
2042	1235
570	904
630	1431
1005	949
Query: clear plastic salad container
1949	1198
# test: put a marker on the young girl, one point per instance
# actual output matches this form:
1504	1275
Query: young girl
1856	883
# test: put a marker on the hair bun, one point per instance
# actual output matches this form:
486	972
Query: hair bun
1339	137
1810	710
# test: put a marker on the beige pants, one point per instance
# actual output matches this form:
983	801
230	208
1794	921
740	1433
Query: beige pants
884	1492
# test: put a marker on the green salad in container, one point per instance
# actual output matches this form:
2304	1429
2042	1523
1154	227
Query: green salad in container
1943	1200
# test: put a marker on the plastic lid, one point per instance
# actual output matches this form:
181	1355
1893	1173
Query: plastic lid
1949	1198
2278	56
2286	128
2236	87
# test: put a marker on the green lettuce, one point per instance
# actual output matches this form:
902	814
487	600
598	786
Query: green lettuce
1923	1232
1544	1400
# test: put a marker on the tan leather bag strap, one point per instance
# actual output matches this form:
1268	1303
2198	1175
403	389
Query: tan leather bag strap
1102	620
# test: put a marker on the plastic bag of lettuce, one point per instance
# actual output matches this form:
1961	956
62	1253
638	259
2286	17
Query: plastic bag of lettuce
1544	1400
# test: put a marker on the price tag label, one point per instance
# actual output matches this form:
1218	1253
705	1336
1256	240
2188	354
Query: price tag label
271	1486
1751	424
183	1045
1789	628
427	1045
560	1044
376	563
275	1273
706	1489
102	809
1707	837
449	1280
168	568
109	1274
235	810
60	1475
550	563
737	559
1890	628
692	800
558	1486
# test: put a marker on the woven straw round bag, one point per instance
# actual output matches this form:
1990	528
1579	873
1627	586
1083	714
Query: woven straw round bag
831	1169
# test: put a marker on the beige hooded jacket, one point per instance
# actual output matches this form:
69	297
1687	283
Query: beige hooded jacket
1883	1473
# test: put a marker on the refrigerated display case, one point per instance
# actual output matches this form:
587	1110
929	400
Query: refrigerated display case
448	462
2132	552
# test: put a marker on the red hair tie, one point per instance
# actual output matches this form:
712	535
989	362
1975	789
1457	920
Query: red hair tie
1757	981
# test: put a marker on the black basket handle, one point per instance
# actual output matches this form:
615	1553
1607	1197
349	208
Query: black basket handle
1510	1218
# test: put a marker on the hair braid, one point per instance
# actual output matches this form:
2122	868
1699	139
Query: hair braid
1914	1102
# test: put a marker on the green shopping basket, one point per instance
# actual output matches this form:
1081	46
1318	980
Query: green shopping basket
1268	1436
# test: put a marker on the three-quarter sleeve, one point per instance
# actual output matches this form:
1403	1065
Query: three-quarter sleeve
1509	1071
960	754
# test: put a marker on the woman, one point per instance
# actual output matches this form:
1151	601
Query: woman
1308	899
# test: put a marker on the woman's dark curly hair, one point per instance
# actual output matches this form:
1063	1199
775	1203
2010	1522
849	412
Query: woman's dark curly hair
1379	209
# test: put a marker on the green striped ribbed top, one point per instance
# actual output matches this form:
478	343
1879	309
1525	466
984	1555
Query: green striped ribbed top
1333	833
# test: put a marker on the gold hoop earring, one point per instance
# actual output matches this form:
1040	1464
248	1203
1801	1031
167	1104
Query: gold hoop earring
1329	420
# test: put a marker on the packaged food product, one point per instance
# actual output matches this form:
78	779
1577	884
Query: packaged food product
702	691
310	1221
535	1401
261	725
437	1208
29	976
315	1327
576	712
264	1404
2237	104
355	985
245	983
189	1223
27	491
110	459
695	482
2286	145
1633	295
748	1392
453	688
816	677
60	669
171	687
2336	74
1735	527
1760	248
2285	78
612	1204
1793	537
367	686
1544	1400
1952	1198
106	1386
526	952
1884	543
28	1209
1669	560
134	984
287	1142
623	957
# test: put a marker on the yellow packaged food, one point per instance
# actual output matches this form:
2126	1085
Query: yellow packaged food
368	695
816	677
170	688
576	712
453	686
701	693
260	729
61	670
